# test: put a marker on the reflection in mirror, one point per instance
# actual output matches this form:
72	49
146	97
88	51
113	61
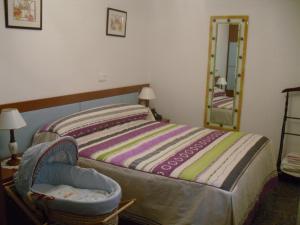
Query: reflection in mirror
227	53
225	73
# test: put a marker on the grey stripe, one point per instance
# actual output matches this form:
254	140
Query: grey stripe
135	163
243	164
95	116
115	134
228	158
52	127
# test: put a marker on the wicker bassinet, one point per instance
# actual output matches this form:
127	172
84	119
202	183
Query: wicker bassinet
53	165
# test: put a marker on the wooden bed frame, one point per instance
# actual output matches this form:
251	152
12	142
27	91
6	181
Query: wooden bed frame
36	104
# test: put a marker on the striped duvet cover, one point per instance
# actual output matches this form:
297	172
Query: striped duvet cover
216	158
187	173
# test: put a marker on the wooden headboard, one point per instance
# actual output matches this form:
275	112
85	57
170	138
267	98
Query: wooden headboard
36	104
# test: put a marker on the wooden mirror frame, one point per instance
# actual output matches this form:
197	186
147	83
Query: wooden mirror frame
238	92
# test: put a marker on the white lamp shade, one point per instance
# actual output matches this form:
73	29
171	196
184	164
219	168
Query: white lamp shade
147	93
11	119
221	81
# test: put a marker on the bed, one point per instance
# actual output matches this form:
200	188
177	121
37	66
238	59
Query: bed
222	107
179	174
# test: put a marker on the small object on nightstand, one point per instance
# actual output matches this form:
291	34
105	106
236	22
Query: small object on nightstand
11	119
156	115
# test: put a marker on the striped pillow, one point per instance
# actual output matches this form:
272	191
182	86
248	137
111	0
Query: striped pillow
95	119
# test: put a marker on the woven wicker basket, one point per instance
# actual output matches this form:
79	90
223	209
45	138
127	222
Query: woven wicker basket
67	218
38	216
73	219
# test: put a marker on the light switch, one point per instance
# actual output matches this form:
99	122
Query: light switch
102	78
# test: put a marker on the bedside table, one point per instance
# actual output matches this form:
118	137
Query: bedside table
165	120
16	210
8	172
7	175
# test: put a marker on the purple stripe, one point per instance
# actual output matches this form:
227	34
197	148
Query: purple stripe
104	145
101	125
45	127
168	166
119	160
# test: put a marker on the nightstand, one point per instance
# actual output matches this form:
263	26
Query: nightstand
16	210
164	120
8	172
7	175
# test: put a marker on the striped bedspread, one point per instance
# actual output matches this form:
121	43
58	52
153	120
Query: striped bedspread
223	102
212	157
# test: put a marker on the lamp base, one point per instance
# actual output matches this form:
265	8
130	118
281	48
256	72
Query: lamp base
144	102
13	161
13	148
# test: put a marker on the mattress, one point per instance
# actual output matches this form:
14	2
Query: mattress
71	193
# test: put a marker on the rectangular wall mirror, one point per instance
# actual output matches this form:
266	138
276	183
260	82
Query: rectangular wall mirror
226	70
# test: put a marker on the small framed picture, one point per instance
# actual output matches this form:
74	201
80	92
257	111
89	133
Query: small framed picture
23	14
116	22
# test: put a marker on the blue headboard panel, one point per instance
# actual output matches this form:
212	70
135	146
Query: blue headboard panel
37	118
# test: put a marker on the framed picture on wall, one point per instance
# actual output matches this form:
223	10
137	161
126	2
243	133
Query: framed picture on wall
116	22
23	14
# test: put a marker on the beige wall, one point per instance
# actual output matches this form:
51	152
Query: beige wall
166	43
72	51
179	46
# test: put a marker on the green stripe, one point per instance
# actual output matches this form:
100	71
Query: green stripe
192	171
106	155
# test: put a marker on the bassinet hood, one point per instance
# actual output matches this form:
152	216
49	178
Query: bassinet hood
63	150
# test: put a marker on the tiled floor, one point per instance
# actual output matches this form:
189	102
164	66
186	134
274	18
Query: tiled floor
279	207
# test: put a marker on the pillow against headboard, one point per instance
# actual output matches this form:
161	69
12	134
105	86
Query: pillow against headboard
91	120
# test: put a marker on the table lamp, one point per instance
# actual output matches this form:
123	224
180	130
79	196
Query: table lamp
11	119
222	82
146	95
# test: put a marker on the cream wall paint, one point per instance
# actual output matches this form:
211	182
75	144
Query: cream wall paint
178	66
166	43
72	51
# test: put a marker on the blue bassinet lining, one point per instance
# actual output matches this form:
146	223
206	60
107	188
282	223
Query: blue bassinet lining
52	165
